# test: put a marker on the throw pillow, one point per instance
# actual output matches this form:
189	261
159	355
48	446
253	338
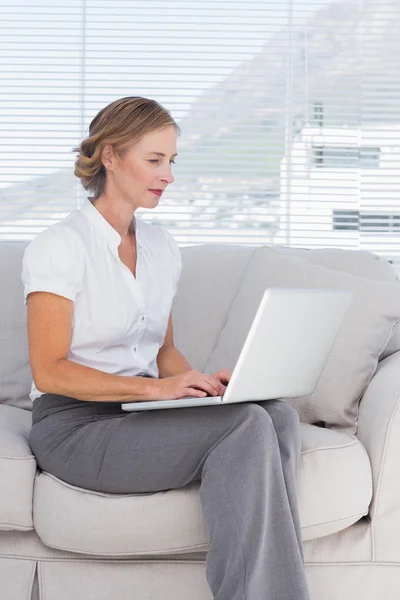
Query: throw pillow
374	311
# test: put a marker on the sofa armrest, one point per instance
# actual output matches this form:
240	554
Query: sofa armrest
379	432
17	469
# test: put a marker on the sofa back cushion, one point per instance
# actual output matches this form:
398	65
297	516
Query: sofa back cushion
210	279
354	357
15	372
356	262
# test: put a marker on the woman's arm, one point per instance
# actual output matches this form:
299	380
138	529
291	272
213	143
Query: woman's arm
169	360
68	378
49	321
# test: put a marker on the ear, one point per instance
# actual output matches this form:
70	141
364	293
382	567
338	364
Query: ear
107	155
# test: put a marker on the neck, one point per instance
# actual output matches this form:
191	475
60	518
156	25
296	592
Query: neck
118	216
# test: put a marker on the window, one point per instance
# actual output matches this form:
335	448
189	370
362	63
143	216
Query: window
366	221
346	219
289	110
364	157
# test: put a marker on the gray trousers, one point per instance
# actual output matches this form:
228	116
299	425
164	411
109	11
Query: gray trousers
244	455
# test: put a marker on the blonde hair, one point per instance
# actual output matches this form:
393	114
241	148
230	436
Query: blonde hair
121	124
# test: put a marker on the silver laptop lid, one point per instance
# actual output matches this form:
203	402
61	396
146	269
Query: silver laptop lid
288	343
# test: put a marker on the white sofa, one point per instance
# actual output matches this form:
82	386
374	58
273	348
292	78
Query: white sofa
58	542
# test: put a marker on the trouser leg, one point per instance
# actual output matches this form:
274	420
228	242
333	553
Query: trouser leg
287	427
248	502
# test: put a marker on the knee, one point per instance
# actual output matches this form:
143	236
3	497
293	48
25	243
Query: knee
255	416
285	417
292	416
284	408
287	427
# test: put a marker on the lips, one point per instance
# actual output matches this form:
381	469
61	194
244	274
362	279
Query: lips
157	192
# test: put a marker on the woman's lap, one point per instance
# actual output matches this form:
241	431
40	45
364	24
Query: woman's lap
100	447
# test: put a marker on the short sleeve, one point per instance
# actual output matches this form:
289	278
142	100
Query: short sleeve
53	262
175	259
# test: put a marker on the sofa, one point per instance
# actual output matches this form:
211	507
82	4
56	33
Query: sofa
59	542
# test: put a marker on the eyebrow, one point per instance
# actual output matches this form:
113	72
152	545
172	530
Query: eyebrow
161	154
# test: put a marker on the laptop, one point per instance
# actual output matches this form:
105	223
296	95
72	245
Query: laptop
285	350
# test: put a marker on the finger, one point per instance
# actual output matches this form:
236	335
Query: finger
209	385
221	389
223	374
226	375
222	379
195	392
218	385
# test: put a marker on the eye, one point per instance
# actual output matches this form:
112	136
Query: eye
157	161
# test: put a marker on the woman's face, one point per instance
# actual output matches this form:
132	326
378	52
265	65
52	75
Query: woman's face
141	169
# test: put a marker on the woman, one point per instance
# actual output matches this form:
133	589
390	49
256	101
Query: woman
99	287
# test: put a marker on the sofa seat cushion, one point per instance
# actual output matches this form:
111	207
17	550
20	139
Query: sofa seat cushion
17	469
335	481
335	490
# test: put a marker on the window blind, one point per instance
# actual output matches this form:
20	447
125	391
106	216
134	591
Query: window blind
289	110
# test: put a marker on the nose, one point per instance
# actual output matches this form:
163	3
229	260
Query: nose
168	176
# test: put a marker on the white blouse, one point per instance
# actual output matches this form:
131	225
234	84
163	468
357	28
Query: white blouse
119	321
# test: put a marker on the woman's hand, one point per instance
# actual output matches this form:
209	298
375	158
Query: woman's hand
223	375
191	383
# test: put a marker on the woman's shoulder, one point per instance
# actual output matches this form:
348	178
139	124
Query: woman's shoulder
61	241
62	237
53	262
